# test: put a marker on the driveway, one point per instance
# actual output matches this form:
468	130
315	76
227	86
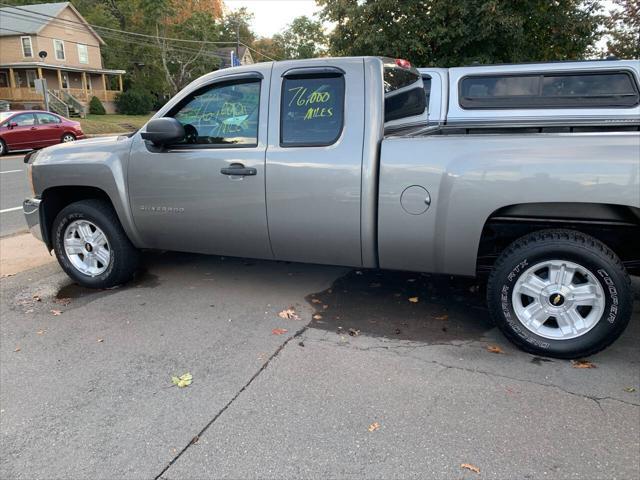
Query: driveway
364	384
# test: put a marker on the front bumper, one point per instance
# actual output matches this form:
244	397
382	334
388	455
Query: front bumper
31	210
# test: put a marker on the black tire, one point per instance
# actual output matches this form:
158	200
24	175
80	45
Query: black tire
124	256
566	245
3	148
73	137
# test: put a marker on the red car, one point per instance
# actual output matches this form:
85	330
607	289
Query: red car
29	129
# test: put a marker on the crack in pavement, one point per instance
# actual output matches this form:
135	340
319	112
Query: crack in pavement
396	351
264	366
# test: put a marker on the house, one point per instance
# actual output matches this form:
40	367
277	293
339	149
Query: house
52	41
225	55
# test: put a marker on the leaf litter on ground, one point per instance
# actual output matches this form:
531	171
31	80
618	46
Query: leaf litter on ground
471	467
279	331
183	380
289	314
374	426
494	349
582	364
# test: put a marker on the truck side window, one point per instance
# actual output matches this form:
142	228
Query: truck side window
221	114
549	90
426	83
312	110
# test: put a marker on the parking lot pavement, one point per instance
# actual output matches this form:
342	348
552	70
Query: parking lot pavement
14	188
374	386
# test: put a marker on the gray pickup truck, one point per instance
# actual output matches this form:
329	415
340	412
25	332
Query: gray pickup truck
525	175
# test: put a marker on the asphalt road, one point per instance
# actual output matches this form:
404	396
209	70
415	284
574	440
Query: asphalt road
14	188
411	391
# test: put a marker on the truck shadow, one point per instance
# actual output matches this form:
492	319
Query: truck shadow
403	306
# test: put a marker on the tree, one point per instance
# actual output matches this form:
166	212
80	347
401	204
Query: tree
449	33
303	38
623	28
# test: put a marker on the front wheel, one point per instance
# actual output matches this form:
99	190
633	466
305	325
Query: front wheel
91	246
560	293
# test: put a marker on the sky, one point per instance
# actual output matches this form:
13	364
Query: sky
272	16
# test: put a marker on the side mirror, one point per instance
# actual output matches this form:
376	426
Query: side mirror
164	131
13	125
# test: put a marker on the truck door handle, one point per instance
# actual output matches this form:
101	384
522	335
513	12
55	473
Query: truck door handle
238	169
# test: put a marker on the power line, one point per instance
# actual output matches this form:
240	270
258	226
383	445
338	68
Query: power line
146	44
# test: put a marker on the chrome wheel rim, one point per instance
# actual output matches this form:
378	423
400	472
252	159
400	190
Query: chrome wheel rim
87	248
558	299
67	138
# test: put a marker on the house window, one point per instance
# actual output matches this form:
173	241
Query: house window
58	47
31	78
27	48
4	79
83	53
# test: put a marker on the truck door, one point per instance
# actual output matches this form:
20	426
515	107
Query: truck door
206	194
314	159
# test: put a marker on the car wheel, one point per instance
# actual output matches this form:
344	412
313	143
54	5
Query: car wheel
68	137
91	246
3	147
560	293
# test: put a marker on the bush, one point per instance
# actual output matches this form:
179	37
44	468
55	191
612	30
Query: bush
96	107
134	102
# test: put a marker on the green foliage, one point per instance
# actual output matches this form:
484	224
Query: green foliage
449	33
623	28
303	38
134	102
96	107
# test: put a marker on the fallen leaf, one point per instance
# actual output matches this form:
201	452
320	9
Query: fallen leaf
354	332
494	349
289	314
62	301
316	300
279	331
100	340
629	389
374	426
37	298
358	272
40	332
442	317
30	310
183	380
468	466
195	439
582	364
413	299
325	307
317	316
56	312
17	349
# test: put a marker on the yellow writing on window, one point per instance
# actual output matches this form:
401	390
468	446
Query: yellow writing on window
318	112
301	98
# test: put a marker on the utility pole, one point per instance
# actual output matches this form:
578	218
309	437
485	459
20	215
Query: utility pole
237	41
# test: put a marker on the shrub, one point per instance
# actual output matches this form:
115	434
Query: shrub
134	102
96	107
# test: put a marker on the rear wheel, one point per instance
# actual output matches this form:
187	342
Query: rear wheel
560	293
91	246
3	147
68	137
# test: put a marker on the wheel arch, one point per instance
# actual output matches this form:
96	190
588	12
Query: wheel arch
614	225
54	199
